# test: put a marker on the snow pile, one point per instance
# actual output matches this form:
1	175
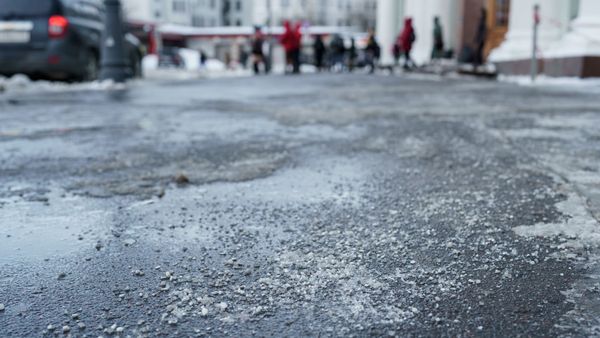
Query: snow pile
213	68
191	58
150	63
20	83
214	65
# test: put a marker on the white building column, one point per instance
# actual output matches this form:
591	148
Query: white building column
519	39
389	14
422	12
584	37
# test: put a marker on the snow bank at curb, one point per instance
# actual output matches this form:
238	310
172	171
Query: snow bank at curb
22	84
193	70
542	80
179	74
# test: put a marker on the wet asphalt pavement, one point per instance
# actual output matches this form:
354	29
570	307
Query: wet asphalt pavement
321	205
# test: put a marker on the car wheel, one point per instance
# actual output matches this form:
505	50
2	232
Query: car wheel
91	67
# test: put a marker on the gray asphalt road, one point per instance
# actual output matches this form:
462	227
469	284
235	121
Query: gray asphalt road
321	205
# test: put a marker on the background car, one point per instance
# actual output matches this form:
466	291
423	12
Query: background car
169	57
57	39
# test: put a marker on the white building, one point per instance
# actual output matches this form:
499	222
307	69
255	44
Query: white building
202	13
210	13
568	43
206	13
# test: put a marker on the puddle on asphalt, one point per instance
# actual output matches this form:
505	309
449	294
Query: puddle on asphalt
62	226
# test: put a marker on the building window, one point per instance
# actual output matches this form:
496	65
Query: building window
501	12
178	6
238	6
198	21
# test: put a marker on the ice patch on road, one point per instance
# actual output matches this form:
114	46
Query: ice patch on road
557	82
539	133
579	232
336	180
54	226
582	122
322	180
580	229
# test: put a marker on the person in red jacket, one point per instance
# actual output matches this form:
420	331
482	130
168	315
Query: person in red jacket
290	40
405	41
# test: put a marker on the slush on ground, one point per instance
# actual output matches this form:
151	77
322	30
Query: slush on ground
321	205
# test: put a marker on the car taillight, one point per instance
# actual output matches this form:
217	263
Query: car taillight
57	26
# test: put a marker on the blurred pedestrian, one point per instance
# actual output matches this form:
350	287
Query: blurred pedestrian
290	40
319	51
406	40
480	39
203	59
352	54
258	57
244	55
298	48
437	52
228	61
372	51
338	49
396	52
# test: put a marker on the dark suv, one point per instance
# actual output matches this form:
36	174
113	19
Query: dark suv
56	39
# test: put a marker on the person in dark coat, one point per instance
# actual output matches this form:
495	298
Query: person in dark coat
352	55
258	56
480	39
406	40
396	52
319	52
298	48
203	58
337	49
438	40
244	56
372	51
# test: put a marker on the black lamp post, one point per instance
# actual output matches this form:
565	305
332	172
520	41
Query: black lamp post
113	64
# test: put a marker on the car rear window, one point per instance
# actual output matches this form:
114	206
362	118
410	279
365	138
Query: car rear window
18	8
